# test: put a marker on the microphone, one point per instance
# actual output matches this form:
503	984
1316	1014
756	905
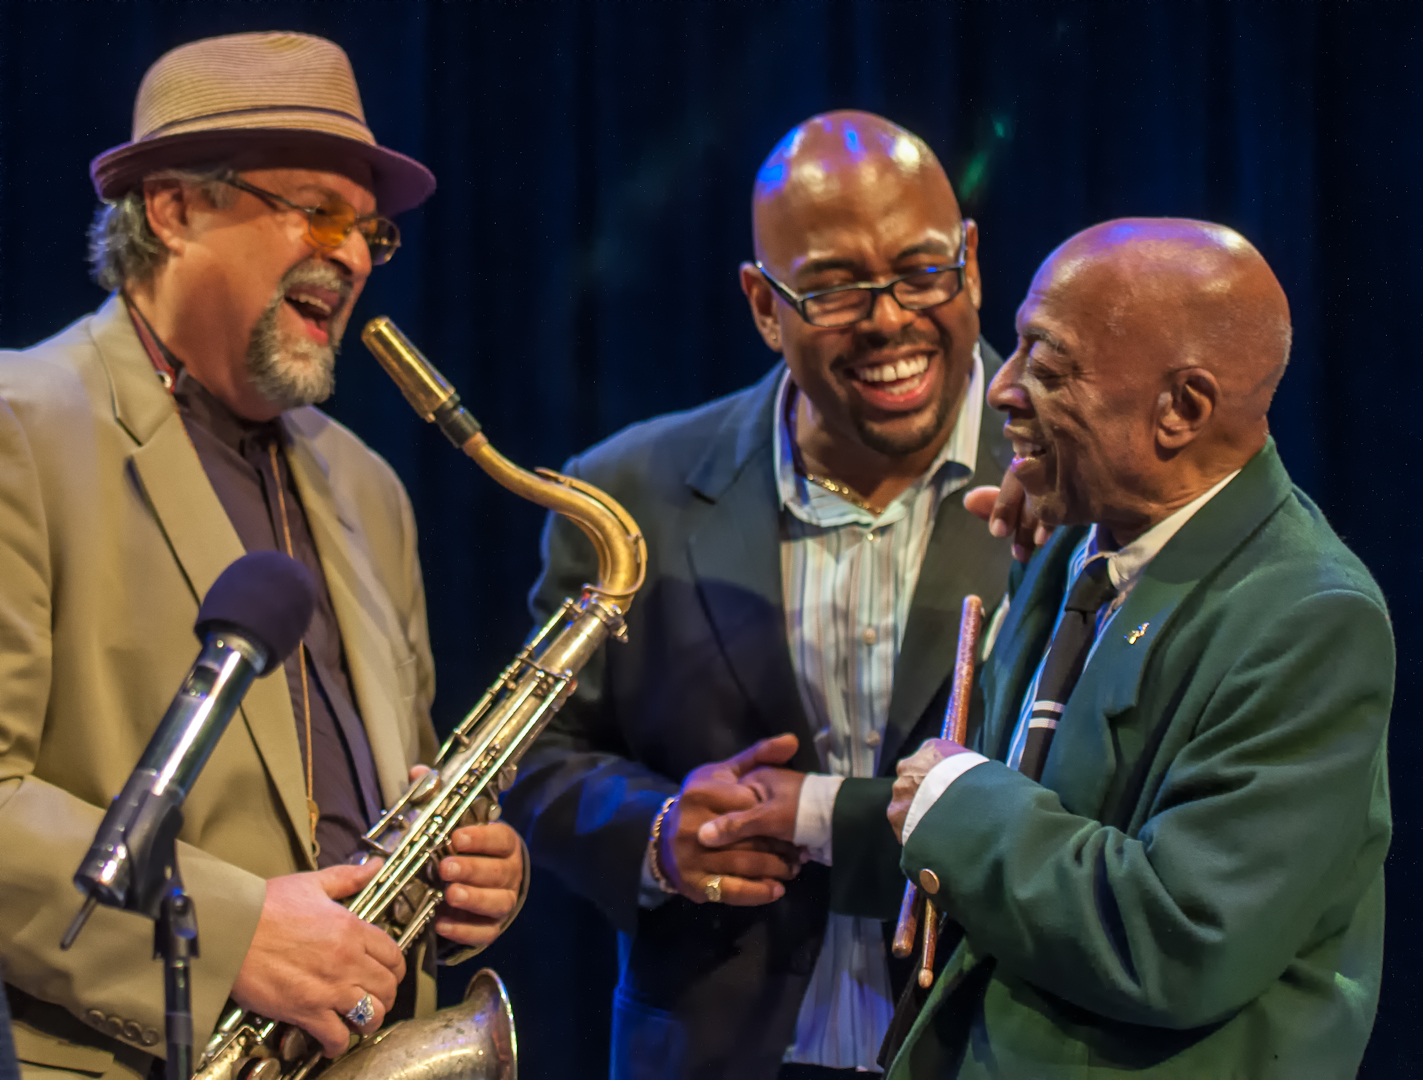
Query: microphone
252	618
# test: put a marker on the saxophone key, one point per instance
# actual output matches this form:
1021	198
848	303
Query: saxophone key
257	1069
294	1045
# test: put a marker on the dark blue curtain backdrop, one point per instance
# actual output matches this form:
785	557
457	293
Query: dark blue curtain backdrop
576	270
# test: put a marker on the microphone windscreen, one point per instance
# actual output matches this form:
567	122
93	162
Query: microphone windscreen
265	595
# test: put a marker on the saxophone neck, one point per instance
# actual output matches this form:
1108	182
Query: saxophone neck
622	551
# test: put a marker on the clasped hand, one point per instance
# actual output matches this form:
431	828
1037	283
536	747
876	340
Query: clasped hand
735	820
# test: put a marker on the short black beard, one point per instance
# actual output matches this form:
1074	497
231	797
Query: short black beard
943	415
905	445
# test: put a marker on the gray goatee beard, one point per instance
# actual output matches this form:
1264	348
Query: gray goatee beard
292	370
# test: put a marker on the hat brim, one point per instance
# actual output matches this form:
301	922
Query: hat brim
398	182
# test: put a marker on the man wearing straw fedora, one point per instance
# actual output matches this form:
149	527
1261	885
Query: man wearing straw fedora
142	450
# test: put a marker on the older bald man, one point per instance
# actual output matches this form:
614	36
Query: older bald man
1166	849
787	526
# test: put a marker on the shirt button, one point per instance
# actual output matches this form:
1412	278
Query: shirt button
872	739
868	635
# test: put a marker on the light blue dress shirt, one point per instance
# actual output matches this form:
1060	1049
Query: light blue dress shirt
848	580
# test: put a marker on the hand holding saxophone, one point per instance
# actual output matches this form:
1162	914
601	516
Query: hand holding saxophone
311	959
483	879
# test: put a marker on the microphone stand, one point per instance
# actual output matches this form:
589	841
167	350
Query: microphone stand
253	616
175	940
157	893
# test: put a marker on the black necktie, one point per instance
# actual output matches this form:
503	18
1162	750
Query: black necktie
1065	659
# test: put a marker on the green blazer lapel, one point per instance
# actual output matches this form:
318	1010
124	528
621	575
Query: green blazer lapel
369	625
1022	639
167	470
735	553
1111	681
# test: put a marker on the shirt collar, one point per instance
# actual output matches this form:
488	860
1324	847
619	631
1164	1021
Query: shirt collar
812	503
1125	565
195	403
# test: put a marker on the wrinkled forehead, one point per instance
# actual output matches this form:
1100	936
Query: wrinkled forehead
1076	301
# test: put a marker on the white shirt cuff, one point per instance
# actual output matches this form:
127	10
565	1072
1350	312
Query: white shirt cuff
936	782
814	814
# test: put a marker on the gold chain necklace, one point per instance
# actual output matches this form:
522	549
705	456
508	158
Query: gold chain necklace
832	486
313	811
837	488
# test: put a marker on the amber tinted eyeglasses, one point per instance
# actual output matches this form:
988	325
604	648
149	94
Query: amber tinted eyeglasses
330	224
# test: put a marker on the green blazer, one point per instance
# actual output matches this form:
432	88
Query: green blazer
1195	889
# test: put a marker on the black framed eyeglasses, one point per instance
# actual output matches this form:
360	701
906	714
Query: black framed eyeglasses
329	225
845	305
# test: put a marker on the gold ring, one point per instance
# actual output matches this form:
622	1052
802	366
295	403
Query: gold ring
712	887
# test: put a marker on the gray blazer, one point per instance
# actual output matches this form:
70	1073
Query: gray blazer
710	990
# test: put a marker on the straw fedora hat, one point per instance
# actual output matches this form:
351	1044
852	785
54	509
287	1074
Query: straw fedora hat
271	98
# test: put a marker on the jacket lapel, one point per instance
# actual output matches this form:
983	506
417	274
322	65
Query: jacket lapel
735	553
167	469
960	558
368	624
1110	684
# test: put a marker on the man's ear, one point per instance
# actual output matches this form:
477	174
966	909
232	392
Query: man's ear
1186	407
168	204
972	281
763	306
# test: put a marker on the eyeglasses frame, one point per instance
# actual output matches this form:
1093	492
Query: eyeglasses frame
799	301
271	197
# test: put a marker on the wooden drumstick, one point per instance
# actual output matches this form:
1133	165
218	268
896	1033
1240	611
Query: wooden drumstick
956	729
931	941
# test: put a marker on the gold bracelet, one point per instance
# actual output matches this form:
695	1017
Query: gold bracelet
654	844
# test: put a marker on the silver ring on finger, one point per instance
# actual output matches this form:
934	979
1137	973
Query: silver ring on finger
712	888
362	1012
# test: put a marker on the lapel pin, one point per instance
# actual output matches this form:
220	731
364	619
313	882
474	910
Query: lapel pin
1136	634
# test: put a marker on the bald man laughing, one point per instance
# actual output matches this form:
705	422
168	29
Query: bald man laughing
787	526
1166	846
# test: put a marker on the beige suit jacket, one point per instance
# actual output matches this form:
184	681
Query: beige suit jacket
110	534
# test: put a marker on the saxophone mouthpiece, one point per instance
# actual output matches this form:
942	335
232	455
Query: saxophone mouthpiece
429	392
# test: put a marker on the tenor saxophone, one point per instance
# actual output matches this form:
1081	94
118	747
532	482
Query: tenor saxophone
474	1040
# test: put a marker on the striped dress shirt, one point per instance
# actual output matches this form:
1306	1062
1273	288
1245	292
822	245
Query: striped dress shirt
848	580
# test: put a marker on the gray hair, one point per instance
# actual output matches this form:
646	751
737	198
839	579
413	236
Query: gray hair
122	245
